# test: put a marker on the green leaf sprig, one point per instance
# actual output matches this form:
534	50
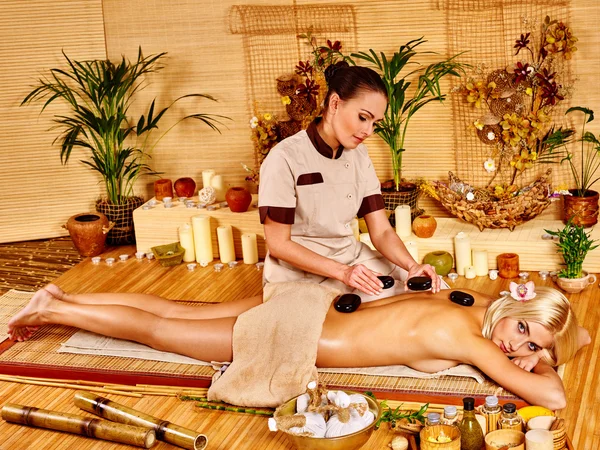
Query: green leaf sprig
394	415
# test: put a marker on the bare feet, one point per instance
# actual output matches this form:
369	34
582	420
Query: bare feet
56	291
23	324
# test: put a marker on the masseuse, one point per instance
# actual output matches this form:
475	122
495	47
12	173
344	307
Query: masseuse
314	183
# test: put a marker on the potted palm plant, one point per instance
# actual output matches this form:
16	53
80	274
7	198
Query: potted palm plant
404	102
99	94
573	244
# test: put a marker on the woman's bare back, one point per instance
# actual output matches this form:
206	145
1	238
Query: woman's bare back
424	331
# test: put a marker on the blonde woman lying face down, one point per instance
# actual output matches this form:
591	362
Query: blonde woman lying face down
504	338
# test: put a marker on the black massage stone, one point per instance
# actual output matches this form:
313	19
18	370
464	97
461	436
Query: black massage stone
347	303
462	298
387	281
419	283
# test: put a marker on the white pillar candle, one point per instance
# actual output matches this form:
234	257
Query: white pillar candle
207	176
217	183
480	262
355	229
249	248
462	252
403	222
470	272
366	239
202	239
413	249
225	239
186	239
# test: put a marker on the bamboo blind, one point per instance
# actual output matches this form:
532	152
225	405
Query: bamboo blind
211	49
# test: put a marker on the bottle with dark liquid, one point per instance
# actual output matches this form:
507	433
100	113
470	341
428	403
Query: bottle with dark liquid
471	434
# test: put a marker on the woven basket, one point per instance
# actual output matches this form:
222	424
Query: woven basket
487	213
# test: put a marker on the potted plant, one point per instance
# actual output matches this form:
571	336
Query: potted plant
404	102
574	244
581	206
99	94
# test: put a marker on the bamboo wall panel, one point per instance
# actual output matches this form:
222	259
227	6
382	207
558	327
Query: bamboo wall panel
207	53
38	194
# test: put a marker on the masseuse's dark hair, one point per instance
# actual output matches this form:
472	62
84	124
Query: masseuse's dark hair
348	81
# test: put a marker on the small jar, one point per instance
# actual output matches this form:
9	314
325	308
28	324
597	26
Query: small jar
450	416
491	410
509	419
433	419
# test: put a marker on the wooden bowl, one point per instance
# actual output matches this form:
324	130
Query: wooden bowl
352	441
499	438
435	431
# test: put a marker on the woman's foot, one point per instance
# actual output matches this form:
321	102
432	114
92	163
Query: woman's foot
23	324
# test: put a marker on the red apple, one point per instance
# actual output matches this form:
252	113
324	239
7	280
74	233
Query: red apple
185	187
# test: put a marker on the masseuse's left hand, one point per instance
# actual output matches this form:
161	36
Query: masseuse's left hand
425	270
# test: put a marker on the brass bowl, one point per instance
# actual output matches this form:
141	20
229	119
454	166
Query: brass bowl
352	441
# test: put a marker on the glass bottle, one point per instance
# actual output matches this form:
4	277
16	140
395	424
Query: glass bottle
450	416
491	411
509	419
432	419
471	434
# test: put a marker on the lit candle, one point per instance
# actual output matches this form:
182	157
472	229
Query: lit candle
355	229
366	239
462	252
413	249
225	238
470	272
403	222
186	239
202	239
480	262
207	177
217	183
249	248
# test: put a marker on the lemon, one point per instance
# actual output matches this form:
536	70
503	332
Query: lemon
528	412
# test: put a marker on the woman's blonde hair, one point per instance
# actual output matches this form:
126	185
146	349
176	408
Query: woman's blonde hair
549	308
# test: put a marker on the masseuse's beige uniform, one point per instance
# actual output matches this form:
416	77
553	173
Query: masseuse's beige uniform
303	186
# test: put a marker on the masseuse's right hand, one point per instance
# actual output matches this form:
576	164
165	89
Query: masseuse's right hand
363	279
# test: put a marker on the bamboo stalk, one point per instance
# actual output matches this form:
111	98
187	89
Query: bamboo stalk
67	386
85	426
165	431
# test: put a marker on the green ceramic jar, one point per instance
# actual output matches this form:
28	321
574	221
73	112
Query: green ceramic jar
442	261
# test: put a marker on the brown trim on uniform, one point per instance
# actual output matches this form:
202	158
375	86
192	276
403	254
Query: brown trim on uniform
309	178
317	141
371	203
278	214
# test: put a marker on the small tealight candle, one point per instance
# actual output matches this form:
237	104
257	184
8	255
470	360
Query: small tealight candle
110	261
190	205
218	267
139	255
232	264
201	205
191	267
123	257
212	207
150	255
504	293
203	263
152	202
167	199
168	205
470	272
544	274
493	274
523	276
181	199
223	204
96	259
146	207
260	265
453	276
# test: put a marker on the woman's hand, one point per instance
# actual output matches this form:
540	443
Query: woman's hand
363	279
419	270
527	362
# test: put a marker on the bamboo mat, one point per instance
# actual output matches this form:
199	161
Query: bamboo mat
41	353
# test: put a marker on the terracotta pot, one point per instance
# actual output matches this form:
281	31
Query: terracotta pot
163	188
575	285
424	226
508	265
185	187
441	261
238	198
583	210
88	232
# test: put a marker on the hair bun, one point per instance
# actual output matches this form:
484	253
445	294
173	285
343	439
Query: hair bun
332	69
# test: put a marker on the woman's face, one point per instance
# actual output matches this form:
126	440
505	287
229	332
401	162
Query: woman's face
521	337
354	120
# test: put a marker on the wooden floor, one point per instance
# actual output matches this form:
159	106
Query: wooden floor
228	430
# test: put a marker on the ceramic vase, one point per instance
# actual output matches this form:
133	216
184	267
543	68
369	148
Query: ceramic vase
575	285
582	210
88	232
441	261
163	188
238	199
185	187
424	226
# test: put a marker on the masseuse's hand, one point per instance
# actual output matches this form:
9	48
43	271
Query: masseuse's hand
421	270
363	279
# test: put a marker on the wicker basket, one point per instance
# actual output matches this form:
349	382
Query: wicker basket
488	213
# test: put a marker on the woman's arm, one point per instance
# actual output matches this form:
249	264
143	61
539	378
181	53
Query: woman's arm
541	387
387	242
281	246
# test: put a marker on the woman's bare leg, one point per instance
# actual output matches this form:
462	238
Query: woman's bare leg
208	339
158	305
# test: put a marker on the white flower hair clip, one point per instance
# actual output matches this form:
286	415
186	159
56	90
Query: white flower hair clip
522	292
